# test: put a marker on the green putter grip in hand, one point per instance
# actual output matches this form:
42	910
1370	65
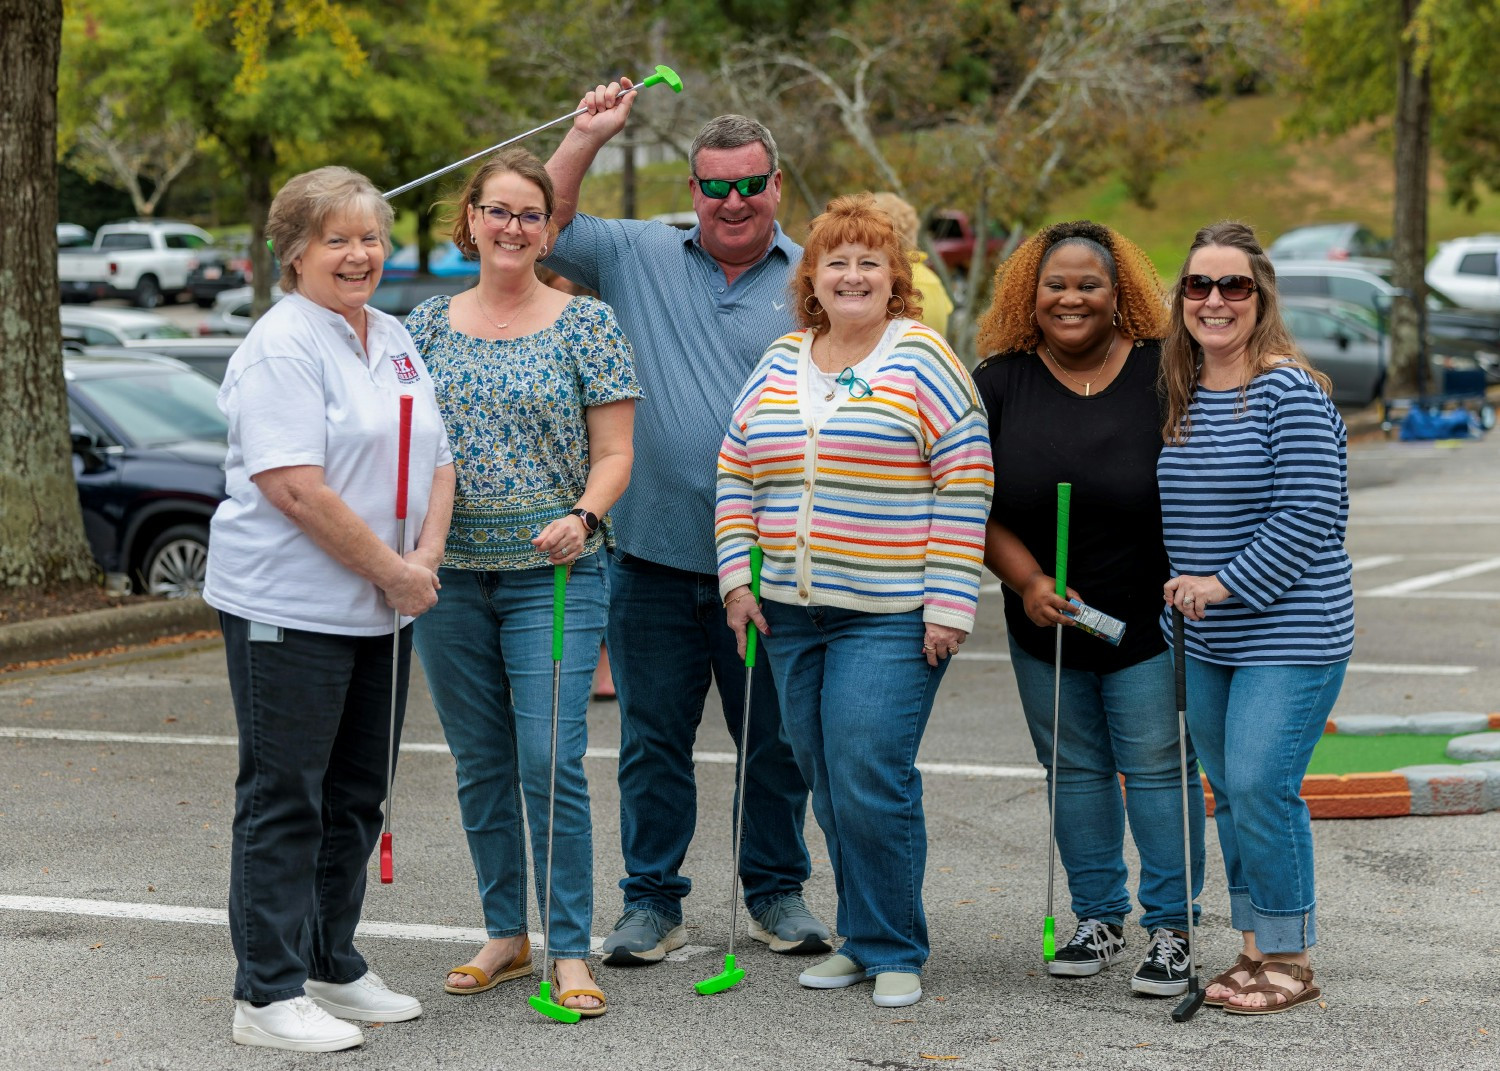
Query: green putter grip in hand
1064	503
756	556
663	74
559	597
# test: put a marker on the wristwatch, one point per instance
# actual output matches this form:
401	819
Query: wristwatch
590	521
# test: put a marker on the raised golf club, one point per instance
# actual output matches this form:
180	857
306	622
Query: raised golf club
1049	924
543	1003
662	74
1188	1006
731	975
403	465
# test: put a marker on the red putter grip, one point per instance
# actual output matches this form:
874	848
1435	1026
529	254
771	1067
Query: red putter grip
403	463
387	862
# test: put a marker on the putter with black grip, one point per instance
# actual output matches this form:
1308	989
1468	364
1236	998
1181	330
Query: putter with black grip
1189	1005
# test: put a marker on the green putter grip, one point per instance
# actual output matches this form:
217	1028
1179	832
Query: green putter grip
756	556
1064	503
559	597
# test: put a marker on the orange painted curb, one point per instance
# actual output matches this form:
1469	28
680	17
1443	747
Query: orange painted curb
1357	795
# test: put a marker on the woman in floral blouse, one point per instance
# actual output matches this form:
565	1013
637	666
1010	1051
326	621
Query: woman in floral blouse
538	393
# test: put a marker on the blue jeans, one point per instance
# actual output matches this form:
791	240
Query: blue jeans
1256	727
313	713
486	648
667	640
856	692
1109	724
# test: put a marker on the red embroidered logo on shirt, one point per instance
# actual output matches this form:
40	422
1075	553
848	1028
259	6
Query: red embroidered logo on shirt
406	372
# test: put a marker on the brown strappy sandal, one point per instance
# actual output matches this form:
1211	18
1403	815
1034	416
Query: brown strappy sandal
1243	963
1262	984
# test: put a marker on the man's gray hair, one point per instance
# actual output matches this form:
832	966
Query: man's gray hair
730	132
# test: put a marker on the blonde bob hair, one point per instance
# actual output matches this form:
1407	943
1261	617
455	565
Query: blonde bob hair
308	201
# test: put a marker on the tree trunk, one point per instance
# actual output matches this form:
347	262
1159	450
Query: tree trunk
1409	370
424	236
41	527
260	163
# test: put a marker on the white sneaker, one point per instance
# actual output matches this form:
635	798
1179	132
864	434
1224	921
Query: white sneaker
366	999
297	1024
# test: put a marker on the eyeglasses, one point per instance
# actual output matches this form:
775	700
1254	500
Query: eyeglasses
718	188
500	218
1231	287
858	388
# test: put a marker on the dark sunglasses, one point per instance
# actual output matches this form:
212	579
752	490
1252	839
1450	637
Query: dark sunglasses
1231	287
718	188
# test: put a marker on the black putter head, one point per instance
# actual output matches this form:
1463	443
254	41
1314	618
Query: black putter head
1188	1006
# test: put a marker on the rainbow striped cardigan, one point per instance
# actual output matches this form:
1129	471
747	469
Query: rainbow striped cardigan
880	509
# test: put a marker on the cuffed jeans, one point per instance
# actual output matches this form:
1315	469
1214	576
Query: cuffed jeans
856	693
313	713
486	649
667	640
1109	724
1255	727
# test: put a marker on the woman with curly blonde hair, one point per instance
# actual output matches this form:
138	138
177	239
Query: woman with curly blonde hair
1071	390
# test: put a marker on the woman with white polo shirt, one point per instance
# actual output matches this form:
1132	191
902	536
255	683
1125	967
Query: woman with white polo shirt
303	572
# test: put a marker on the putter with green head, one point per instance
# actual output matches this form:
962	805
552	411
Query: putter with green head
662	74
731	975
1049	924
543	1003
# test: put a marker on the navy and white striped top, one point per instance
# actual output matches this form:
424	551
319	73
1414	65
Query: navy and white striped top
1259	495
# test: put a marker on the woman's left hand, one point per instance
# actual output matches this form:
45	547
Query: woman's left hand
1194	594
562	541
940	642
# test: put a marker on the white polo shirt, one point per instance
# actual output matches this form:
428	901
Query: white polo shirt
301	390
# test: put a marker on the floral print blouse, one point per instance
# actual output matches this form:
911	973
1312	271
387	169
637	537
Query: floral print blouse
514	409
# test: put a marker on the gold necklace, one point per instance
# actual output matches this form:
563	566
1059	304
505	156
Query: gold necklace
514	313
1056	364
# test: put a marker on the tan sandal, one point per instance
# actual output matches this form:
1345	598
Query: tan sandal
567	994
1262	984
1242	963
520	967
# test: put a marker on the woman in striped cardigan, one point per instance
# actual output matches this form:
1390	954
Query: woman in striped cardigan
858	459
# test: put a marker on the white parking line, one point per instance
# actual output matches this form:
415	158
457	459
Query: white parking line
1374	561
1355	520
1432	580
206	916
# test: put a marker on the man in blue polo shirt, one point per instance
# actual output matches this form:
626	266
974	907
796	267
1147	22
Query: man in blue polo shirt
699	307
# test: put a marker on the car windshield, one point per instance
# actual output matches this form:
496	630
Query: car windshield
156	408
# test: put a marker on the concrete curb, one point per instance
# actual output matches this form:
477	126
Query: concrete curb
97	630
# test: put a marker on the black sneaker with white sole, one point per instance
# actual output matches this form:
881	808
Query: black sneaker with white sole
1164	972
1094	946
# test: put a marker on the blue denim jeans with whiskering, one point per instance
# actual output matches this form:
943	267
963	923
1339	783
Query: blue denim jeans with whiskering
486	649
1110	724
1256	727
856	692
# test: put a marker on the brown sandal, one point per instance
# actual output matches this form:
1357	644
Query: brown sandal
1294	971
1242	963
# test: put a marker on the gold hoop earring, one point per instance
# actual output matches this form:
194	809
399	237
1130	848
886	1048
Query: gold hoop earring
808	309
544	252
1032	317
895	315
474	241
1117	318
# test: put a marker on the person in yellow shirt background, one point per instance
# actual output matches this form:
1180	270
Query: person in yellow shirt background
936	304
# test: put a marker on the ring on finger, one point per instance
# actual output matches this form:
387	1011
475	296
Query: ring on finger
928	647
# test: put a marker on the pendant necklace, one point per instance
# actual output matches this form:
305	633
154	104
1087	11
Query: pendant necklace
1085	385
514	313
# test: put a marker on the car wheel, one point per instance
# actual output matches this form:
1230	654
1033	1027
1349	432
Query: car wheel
204	302
176	563
148	293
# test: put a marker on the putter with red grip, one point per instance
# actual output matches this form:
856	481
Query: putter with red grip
403	466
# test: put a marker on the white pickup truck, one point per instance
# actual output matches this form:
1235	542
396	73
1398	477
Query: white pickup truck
146	261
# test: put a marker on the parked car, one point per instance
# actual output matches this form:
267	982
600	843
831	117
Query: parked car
953	240
73	236
399	296
445	258
1468	269
1473	333
1344	342
222	267
1329	241
145	260
206	356
231	315
148	453
113	327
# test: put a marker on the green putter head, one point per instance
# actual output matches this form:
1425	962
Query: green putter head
543	1004
728	978
664	74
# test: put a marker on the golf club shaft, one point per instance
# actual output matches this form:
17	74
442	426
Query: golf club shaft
751	636
559	598
1189	1005
1064	507
403	471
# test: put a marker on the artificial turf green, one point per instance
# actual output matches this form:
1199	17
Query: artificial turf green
1343	753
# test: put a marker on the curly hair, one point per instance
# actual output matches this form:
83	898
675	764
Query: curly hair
1009	324
1269	343
856	220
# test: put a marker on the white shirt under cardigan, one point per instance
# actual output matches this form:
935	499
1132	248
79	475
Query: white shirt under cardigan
301	390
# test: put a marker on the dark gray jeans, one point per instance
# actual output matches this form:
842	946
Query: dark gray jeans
313	711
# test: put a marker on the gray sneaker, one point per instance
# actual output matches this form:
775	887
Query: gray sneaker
642	936
788	926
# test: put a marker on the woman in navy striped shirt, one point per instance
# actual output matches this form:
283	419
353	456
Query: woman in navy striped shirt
1255	499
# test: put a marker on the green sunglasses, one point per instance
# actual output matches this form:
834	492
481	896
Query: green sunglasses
718	188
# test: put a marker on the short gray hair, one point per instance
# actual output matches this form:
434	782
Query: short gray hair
308	201
730	132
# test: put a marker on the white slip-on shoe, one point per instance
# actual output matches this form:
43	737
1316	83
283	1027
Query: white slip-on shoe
366	999
297	1024
835	972
894	989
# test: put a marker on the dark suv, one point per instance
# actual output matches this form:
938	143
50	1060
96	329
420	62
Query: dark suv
148	454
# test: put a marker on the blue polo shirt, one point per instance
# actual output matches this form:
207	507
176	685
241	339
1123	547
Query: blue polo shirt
696	340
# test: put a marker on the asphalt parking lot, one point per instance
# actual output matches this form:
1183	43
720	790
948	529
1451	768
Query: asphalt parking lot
115	800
